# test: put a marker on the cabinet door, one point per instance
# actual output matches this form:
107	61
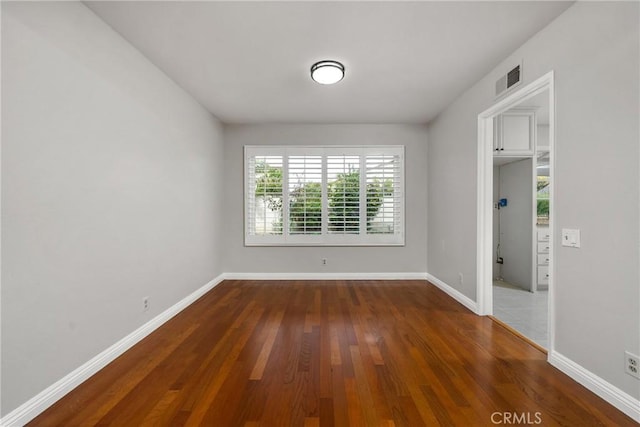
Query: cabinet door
517	134
497	134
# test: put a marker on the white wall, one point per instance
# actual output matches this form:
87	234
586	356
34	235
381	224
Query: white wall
516	222
410	258
593	48
451	190
111	182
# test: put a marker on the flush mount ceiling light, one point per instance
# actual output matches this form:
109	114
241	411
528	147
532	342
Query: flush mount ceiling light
327	72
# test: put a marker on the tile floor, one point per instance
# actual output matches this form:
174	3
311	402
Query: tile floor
524	311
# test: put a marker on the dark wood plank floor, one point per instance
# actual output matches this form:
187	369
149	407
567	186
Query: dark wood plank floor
334	353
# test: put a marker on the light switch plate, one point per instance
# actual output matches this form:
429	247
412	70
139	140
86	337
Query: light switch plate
571	238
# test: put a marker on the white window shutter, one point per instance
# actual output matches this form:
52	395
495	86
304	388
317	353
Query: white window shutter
324	195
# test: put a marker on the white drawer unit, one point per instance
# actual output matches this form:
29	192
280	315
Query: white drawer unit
543	275
543	259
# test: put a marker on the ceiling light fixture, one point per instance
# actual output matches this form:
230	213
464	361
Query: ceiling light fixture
327	72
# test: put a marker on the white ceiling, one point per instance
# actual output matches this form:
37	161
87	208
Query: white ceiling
248	62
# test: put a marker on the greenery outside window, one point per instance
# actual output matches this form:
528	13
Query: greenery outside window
328	195
542	199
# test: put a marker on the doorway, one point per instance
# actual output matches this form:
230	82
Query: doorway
515	211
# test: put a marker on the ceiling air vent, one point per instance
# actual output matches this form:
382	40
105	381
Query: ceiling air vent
509	80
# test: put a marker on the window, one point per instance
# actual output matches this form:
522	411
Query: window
315	196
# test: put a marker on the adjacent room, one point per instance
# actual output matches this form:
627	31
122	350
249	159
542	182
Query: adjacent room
312	213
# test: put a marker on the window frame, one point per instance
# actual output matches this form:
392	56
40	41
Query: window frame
397	238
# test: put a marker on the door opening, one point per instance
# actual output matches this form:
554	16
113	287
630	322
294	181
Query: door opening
515	241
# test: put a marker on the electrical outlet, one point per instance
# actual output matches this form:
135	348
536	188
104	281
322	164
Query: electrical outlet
324	261
145	303
632	364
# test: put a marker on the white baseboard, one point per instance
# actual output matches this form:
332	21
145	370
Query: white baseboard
607	391
454	293
37	404
325	276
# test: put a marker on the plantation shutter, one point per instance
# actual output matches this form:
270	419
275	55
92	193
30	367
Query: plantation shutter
265	193
305	194
343	188
324	195
384	193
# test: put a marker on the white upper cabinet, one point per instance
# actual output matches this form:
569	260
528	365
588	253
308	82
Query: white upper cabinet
515	133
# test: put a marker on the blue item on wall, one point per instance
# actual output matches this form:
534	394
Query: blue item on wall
502	203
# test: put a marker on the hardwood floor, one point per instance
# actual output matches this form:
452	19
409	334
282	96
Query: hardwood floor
331	353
